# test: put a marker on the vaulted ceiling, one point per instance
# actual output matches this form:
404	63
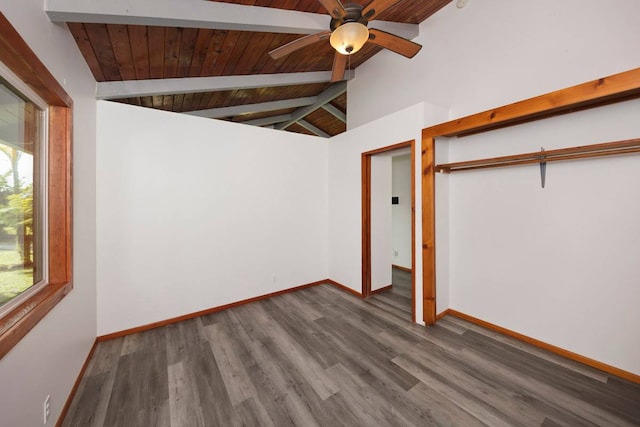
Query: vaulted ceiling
210	58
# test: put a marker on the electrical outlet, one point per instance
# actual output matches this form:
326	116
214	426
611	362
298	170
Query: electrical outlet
395	253
46	408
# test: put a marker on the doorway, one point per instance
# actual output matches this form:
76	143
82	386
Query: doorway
367	183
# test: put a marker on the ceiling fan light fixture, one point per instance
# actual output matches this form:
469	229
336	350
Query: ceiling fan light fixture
349	38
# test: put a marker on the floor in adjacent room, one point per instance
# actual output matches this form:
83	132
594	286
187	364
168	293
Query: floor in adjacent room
323	357
399	298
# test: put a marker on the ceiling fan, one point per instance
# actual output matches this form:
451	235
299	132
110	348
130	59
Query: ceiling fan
348	33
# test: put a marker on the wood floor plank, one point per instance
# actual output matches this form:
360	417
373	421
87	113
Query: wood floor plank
138	384
359	316
252	413
308	334
390	306
376	355
123	405
147	340
184	402
516	405
181	337
89	410
344	413
158	415
548	422
272	383
309	311
312	372
323	357
95	399
204	373
463	397
233	373
461	325
562	379
371	409
442	411
546	392
105	357
303	403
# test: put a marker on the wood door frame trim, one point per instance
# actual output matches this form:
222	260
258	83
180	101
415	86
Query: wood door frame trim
366	218
615	88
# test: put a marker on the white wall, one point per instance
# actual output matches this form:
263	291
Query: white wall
401	213
345	211
559	264
381	221
493	53
48	359
196	213
345	192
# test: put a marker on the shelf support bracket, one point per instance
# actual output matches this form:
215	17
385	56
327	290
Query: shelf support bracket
543	167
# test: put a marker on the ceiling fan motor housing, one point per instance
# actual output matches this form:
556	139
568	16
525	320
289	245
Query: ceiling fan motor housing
354	14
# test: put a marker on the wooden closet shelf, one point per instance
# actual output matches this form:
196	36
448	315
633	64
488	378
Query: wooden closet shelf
628	146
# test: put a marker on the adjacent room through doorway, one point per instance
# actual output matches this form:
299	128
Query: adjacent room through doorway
388	228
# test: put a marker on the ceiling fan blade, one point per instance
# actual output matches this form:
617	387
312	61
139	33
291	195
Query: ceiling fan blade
290	47
394	43
334	7
376	7
339	66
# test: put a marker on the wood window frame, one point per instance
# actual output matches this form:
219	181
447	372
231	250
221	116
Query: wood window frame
366	218
615	88
24	63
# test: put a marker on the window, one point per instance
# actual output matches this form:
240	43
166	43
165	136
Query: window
22	229
35	161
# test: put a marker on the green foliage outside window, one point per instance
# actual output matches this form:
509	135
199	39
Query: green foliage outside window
16	230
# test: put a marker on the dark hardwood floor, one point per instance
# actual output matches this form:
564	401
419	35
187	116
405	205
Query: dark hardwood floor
398	300
323	357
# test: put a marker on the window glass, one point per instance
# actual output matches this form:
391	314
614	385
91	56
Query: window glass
21	234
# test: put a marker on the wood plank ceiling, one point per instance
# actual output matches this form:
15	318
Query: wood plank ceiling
118	52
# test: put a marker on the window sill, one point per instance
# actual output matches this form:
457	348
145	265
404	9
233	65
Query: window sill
23	318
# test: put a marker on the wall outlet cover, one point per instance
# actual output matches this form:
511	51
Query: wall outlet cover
46	408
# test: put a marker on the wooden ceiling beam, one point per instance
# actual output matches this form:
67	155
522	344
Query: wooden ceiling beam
186	14
202	14
325	97
311	128
215	113
335	112
152	87
267	120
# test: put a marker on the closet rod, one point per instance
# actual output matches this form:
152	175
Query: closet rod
628	146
